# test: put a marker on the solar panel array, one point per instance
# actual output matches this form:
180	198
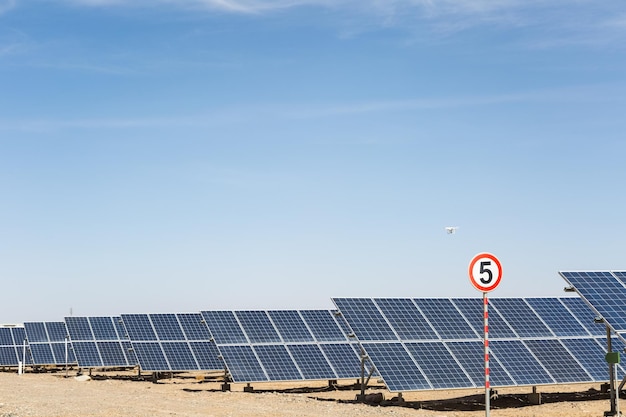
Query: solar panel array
605	292
100	342
283	345
12	340
171	342
436	343
48	343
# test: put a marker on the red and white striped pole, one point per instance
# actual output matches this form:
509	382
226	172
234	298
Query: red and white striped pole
487	386
485	273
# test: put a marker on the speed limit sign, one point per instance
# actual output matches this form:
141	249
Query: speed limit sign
485	272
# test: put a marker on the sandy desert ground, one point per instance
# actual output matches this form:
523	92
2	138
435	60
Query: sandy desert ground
60	394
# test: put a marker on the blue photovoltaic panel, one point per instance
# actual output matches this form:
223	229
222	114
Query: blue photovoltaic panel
471	356
179	356
138	327
474	311
344	360
439	365
584	314
243	364
224	327
323	325
557	317
587	353
290	326
521	317
150	356
311	362
621	276
79	328
97	343
104	328
445	318
206	355
19	337
36	332
6	338
557	360
396	367
604	292
406	319
87	354
184	342
277	363
42	354
258	327
57	332
365	319
112	354
458	322
47	342
8	356
167	327
194	327
520	363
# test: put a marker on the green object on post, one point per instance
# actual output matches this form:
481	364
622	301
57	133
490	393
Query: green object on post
612	357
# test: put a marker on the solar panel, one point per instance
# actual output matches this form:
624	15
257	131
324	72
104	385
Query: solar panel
558	361
557	317
171	342
97	342
282	345
604	292
520	363
439	365
49	344
12	346
471	356
584	315
524	339
473	310
323	325
396	366
592	359
521	317
406	319
446	319
365	319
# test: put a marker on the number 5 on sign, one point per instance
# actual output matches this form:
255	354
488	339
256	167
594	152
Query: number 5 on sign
485	272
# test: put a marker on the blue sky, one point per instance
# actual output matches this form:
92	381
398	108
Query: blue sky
160	156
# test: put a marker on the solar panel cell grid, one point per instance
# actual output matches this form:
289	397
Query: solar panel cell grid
224	327
471	356
365	319
166	327
323	325
557	317
473	310
243	364
520	363
584	315
406	319
277	363
311	362
558	361
290	326
193	326
103	328
396	367
521	317
179	356
439	365
258	327
343	359
138	327
446	319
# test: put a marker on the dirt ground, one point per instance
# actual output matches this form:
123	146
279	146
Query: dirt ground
117	394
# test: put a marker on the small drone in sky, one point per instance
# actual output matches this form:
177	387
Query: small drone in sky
451	229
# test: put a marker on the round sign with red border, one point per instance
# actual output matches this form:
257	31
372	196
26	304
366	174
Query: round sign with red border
485	272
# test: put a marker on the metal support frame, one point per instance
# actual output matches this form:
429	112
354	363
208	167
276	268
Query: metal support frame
363	382
614	401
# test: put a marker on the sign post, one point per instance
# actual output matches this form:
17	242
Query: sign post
485	273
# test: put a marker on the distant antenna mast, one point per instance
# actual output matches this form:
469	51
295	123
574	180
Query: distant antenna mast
70	311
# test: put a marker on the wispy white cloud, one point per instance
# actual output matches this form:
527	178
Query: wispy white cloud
299	111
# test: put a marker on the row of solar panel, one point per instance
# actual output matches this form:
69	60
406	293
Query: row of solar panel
415	343
425	343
